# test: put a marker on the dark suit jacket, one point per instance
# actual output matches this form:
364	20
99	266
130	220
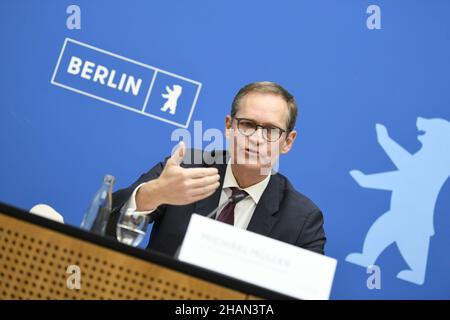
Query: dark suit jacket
282	213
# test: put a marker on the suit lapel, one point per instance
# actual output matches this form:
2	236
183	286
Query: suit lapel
264	217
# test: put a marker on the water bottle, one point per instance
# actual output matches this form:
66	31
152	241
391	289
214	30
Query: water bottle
97	215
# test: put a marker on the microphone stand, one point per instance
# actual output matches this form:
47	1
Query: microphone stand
233	199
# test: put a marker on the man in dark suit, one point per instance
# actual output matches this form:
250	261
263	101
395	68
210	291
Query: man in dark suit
259	128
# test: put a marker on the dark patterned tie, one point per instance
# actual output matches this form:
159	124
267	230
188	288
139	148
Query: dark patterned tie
227	214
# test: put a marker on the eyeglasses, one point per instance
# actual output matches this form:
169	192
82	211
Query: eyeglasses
248	127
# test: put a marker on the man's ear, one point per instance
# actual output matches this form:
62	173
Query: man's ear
287	143
228	123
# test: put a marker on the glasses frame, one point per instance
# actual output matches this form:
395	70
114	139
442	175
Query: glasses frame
257	126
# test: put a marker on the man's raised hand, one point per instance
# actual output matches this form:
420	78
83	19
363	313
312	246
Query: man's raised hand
177	185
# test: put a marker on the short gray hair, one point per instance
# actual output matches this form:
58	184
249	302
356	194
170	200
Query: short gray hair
268	87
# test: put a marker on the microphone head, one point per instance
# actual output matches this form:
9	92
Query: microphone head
48	212
238	197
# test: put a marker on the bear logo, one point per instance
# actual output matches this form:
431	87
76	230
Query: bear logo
415	187
172	96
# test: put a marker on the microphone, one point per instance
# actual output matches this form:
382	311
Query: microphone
48	212
233	199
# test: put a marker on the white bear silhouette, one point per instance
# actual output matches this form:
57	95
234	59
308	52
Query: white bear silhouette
172	98
415	187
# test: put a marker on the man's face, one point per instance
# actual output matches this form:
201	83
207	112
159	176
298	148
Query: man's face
254	151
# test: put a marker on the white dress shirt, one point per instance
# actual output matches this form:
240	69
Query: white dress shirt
244	209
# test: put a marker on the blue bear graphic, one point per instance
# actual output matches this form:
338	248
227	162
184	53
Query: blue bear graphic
415	188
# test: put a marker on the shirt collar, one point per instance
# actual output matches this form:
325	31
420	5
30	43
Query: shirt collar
255	191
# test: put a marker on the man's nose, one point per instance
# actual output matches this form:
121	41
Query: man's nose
258	136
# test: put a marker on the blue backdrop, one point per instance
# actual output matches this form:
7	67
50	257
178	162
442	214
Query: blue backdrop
56	144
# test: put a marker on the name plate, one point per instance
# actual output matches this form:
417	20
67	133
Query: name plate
257	259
